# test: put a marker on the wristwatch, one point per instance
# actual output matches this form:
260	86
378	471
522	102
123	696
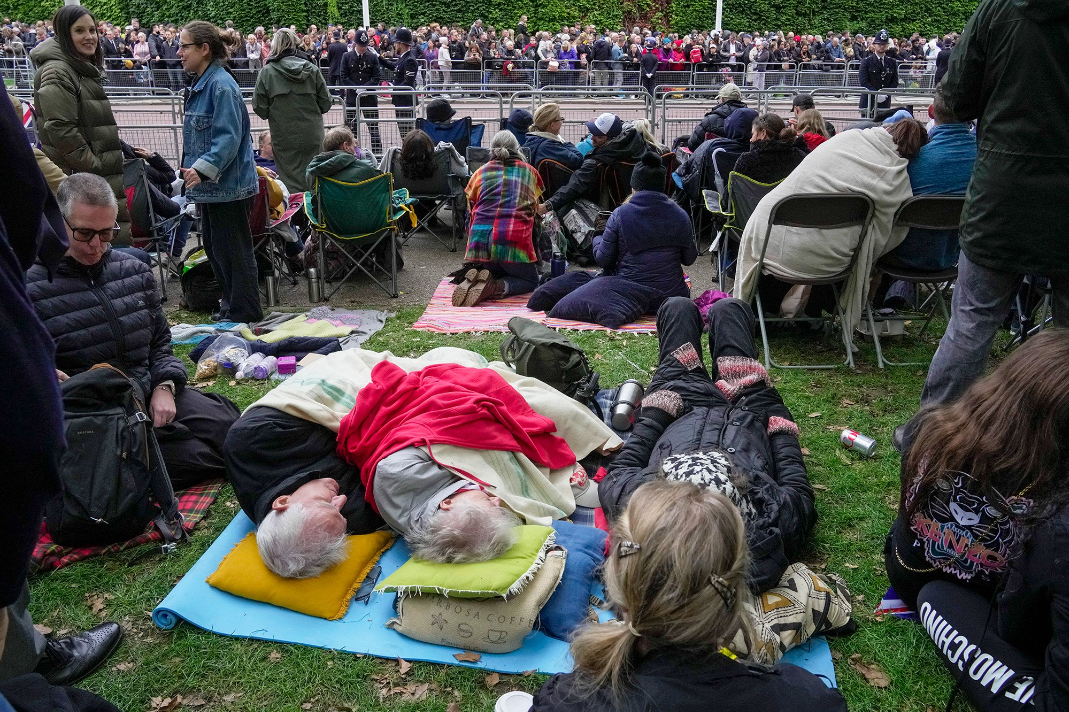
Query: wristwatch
169	385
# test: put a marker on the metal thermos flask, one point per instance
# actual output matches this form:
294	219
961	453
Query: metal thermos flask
626	402
271	288
315	287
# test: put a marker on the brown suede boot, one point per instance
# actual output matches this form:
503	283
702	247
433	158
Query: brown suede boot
485	292
460	293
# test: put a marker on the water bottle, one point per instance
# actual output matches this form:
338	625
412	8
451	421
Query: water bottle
265	368
558	265
247	366
315	287
271	289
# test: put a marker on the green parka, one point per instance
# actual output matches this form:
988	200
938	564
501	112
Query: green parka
292	95
77	129
1008	71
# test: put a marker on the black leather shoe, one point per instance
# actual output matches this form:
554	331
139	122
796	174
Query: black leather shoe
898	436
68	660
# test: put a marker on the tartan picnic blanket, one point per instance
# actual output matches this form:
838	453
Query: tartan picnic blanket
442	317
193	503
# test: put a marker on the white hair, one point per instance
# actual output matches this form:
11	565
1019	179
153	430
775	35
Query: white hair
284	39
504	145
464	533
291	546
87	189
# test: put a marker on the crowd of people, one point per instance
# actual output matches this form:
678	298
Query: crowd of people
709	500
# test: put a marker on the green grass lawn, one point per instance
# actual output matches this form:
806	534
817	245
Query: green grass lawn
856	500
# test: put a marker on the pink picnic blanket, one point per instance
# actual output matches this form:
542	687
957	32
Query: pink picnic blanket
443	318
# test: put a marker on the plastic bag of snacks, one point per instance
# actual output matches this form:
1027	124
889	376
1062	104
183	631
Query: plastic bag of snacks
225	355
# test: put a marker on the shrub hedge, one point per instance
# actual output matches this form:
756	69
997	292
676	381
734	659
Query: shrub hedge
900	17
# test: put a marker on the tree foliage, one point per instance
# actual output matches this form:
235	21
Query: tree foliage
900	17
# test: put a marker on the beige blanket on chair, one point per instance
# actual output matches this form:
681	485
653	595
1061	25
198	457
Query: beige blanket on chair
860	161
326	391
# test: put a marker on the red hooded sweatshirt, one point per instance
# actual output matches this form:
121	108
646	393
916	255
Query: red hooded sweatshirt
443	404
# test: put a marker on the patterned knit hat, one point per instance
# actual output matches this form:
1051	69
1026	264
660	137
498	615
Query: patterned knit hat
709	470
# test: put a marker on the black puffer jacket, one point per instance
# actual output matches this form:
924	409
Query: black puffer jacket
107	313
628	146
779	487
713	123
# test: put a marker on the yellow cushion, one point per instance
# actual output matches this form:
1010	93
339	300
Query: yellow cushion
243	573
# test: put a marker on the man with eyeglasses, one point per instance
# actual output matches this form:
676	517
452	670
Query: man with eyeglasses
102	306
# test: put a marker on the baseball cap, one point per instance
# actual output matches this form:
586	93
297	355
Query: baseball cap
361	38
607	124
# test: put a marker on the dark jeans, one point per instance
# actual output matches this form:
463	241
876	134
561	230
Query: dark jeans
192	443
369	110
520	277
994	675
228	244
679	335
404	113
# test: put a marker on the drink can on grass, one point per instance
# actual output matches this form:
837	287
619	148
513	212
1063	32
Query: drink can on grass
861	444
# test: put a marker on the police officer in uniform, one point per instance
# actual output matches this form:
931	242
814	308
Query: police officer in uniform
877	71
360	68
404	69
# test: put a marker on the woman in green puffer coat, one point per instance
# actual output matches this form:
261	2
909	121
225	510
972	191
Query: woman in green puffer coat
76	126
292	95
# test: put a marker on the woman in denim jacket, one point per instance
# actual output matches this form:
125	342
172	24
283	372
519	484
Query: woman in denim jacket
218	168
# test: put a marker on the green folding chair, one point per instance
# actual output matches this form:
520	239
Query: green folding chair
357	218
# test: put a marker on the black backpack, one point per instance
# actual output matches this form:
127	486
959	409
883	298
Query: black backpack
200	290
540	352
107	471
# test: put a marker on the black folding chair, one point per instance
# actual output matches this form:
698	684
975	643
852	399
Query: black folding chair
924	212
733	206
443	189
819	211
153	232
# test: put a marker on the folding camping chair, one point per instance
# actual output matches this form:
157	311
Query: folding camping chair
924	212
819	211
616	179
713	176
555	175
734	205
459	132
476	157
355	218
443	189
268	243
150	230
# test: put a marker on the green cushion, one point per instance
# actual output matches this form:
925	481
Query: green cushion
501	577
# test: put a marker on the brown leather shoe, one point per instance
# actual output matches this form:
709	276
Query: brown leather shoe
485	292
460	293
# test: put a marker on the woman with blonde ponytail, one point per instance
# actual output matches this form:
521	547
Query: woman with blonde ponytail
503	197
676	576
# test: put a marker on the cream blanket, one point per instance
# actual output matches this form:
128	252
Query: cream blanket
860	161
326	391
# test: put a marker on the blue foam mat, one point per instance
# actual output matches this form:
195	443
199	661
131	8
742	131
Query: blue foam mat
363	629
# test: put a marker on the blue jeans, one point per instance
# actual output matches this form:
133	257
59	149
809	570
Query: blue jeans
520	277
982	299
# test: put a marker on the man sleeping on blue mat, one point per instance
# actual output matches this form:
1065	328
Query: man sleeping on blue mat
455	457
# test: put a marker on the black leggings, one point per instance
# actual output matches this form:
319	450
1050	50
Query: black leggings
994	675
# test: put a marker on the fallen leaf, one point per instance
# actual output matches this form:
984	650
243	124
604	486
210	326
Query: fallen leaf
452	707
822	488
492	679
872	672
165	704
330	663
42	629
850	566
836	655
195	702
598	357
814	415
844	458
805	451
404	665
95	601
859	597
275	656
233	696
123	667
233	383
845	403
467	657
306	706
836	427
528	673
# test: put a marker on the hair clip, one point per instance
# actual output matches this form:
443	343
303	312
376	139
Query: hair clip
725	591
626	548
